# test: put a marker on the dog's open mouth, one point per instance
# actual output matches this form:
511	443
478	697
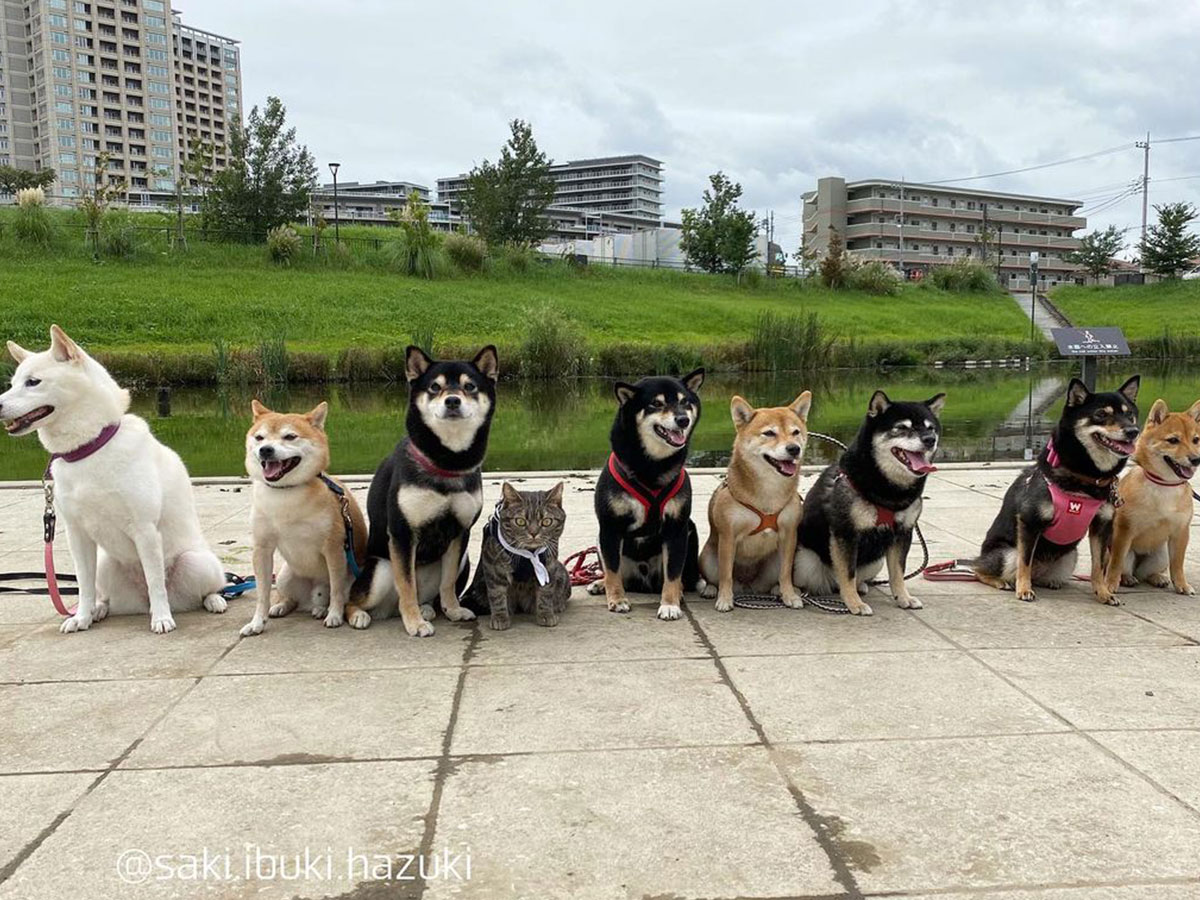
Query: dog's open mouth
274	469
917	463
674	436
1121	448
25	422
785	467
1184	472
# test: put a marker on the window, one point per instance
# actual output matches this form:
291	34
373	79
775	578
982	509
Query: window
934	248
67	159
162	152
159	119
83	59
68	175
159	103
61	55
60	21
66	124
953	203
156	21
87	110
83	25
63	90
153	37
950	250
82	8
954	226
154	6
61	72
163	137
933	200
59	37
159	87
159	55
63	107
157	71
933	226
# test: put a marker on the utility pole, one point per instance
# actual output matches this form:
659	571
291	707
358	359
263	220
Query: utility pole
1145	145
900	219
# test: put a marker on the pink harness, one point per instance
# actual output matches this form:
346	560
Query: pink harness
1073	513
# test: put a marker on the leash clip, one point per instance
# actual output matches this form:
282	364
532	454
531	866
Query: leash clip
49	519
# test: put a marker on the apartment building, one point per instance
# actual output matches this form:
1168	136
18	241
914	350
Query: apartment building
371	202
916	226
604	195
126	78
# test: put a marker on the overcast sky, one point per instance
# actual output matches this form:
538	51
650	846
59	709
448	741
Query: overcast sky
776	94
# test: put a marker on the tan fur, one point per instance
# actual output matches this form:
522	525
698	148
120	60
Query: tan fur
1154	516
733	555
303	522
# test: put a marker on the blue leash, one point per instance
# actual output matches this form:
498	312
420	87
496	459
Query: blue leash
237	585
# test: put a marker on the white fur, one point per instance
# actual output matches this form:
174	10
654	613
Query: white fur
128	508
457	433
652	443
810	574
421	505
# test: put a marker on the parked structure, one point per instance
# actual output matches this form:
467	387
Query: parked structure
937	225
605	195
122	77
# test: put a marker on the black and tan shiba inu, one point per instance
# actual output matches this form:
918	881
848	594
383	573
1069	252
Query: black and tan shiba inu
862	510
1152	524
1066	494
425	497
648	542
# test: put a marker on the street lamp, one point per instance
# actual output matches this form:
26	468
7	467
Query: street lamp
333	167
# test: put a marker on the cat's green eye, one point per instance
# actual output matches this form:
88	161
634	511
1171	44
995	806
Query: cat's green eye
547	522
520	520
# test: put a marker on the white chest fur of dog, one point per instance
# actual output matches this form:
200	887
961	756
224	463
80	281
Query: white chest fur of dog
127	507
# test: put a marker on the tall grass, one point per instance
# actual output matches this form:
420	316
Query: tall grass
553	346
273	356
781	342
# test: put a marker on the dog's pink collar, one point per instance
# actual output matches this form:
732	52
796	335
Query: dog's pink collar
433	468
83	451
1161	481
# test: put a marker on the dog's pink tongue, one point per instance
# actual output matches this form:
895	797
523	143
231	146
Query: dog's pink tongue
919	464
787	468
272	469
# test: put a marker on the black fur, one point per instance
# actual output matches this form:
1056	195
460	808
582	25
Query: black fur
644	545
827	507
1025	502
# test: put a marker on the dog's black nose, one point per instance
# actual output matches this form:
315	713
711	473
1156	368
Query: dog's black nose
1131	434
453	402
793	450
682	421
929	440
267	452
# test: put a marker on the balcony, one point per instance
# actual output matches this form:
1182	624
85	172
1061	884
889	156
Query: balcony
1003	216
913	233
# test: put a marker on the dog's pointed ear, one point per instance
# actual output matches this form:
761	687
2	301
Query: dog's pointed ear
878	403
1129	390
741	411
554	498
1077	392
510	494
1194	411
624	392
935	404
416	361
1158	412
258	410
801	405
62	348
17	352
487	362
694	379
318	415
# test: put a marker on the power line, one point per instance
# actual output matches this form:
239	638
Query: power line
1060	162
1192	137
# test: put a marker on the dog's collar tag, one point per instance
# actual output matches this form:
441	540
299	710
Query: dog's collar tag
534	556
83	451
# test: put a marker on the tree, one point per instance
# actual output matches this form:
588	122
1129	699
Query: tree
1096	251
419	237
13	179
835	266
719	237
506	201
1168	246
269	177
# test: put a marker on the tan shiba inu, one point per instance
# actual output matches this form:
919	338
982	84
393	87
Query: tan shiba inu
311	519
1150	529
753	515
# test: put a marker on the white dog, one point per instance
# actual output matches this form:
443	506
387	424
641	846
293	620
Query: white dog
124	498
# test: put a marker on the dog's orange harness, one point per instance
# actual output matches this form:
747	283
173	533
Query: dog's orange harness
766	521
651	500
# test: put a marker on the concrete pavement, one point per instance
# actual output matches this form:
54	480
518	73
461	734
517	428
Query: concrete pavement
978	748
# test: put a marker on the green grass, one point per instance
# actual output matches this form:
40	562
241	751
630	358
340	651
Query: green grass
1142	310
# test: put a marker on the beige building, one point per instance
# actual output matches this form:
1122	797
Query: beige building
937	225
126	78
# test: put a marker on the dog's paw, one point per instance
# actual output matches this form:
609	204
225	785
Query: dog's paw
909	602
75	623
1105	596
359	619
215	603
279	610
461	614
428	612
669	612
862	609
792	600
333	619
862	588
499	623
1186	589
1128	580
421	629
618	606
596	588
320	612
1054	584
1026	596
708	591
100	612
724	604
1158	580
162	624
253	627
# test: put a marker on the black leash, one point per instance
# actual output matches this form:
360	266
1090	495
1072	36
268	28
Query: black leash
34	591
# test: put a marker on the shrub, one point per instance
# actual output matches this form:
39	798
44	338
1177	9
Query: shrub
752	278
780	343
467	252
836	266
283	245
118	236
963	276
874	278
516	259
419	247
553	346
32	225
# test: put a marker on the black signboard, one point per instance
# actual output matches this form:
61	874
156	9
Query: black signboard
1090	341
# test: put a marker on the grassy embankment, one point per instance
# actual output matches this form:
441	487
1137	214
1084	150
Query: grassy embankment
1161	320
224	313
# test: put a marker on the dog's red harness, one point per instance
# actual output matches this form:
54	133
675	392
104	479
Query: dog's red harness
1073	513
650	499
884	517
49	520
431	467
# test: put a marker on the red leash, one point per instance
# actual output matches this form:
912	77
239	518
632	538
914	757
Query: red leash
49	521
581	571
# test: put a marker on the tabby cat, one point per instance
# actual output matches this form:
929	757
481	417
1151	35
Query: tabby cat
526	575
